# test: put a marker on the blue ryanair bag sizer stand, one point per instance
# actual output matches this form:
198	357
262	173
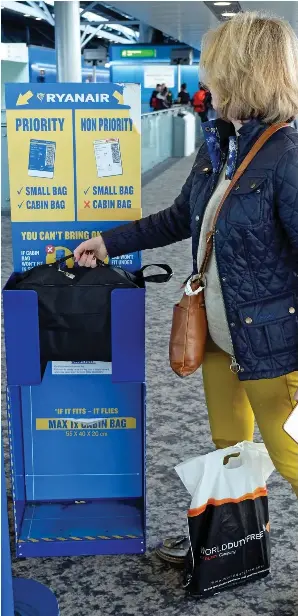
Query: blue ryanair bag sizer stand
77	431
77	490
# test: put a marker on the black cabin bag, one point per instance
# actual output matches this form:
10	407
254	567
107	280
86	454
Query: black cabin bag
74	307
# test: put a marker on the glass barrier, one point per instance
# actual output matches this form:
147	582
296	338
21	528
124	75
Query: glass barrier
157	135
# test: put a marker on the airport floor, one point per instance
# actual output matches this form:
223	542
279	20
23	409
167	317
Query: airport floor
177	429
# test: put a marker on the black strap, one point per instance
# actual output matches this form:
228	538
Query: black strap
63	259
157	278
71	256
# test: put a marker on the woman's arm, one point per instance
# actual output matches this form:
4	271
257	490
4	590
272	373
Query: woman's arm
161	229
165	227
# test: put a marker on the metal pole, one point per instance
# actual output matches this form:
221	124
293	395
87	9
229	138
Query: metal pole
146	33
68	40
179	77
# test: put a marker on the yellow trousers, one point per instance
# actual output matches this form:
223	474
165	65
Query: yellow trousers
234	405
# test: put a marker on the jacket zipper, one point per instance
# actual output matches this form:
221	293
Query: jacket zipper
234	367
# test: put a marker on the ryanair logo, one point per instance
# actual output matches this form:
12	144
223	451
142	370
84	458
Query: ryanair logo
77	97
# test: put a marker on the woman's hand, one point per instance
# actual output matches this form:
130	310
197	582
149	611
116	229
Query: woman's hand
87	252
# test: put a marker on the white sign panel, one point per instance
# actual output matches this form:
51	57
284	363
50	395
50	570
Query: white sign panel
81	367
159	73
14	52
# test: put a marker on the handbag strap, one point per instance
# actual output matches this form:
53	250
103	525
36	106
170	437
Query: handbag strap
250	156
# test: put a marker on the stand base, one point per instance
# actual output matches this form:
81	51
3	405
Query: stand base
33	599
85	527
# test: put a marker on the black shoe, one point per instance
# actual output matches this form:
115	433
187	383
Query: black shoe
174	551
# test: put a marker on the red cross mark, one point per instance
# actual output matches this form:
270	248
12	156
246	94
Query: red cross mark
87	204
50	250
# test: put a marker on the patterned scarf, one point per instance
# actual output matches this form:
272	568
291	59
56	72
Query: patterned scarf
218	158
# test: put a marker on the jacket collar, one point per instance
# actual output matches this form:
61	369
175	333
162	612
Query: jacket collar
220	137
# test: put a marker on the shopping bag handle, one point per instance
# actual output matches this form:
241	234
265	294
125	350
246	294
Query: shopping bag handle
228	451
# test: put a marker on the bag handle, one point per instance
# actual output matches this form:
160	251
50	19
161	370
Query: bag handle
71	256
157	278
63	259
250	156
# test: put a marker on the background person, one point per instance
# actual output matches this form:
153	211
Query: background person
183	96
200	100
169	97
251	293
163	99
153	97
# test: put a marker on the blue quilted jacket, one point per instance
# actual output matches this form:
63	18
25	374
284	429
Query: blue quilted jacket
256	243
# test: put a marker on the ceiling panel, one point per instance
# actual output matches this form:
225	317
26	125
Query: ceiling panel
185	21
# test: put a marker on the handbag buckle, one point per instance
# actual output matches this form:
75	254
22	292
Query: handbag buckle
188	288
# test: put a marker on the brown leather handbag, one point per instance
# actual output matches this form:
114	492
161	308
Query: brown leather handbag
189	325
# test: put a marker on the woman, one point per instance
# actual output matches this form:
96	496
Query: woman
252	280
162	99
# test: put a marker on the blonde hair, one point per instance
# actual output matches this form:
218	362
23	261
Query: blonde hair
251	64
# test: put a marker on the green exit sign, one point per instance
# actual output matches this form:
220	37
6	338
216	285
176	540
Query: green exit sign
138	53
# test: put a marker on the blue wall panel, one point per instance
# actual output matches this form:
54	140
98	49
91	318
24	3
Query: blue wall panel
190	75
41	58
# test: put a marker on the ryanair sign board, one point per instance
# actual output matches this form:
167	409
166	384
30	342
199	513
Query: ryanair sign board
74	165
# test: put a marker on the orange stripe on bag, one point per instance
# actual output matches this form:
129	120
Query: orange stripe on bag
216	503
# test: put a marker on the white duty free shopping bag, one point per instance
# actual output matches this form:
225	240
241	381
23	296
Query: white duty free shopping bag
228	518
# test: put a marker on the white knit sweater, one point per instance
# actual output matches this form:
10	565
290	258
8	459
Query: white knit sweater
216	315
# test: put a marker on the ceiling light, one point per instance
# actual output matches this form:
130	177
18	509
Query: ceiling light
26	15
228	14
90	16
38	18
222	3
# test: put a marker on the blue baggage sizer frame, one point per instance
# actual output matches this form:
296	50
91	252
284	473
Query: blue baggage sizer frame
19	596
74	516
